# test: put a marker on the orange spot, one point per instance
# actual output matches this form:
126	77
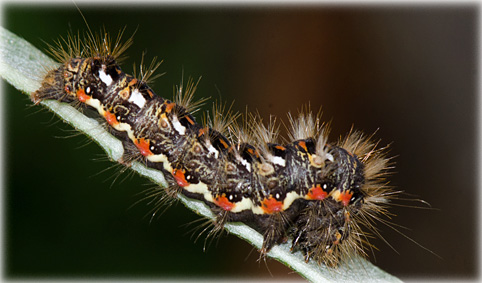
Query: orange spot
169	106
151	95
223	202
180	178
189	120
132	82
338	238
303	145
111	119
253	152
223	143
316	193
271	205
201	132
143	146
82	96
280	147
345	197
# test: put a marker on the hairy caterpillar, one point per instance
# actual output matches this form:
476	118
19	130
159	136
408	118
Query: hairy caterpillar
316	193
336	117
269	200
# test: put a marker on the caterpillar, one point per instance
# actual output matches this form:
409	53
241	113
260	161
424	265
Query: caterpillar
357	85
315	193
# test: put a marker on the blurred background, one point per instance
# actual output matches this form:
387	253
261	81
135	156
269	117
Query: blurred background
408	71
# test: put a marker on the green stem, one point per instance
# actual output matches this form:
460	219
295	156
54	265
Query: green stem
24	67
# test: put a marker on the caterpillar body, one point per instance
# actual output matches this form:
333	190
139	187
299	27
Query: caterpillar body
322	196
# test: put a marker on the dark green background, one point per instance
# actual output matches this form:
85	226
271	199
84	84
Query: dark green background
409	71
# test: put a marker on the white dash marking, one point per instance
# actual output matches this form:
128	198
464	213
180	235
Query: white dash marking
278	160
137	98
105	78
245	163
177	126
212	150
330	157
